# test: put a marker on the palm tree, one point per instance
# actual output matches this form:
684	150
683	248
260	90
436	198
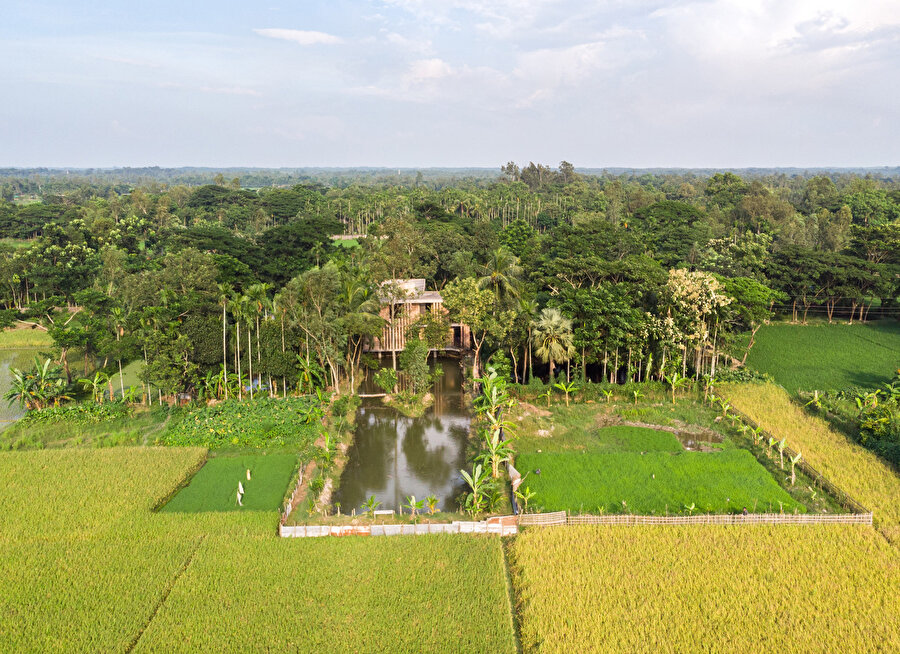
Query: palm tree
236	306
118	315
225	292
553	335
502	274
528	309
258	298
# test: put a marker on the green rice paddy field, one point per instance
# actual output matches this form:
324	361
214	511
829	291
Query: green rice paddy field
214	487
653	483
827	357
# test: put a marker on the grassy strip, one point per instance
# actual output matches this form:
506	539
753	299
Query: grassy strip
589	426
14	339
214	487
827	357
85	424
423	594
722	589
854	469
653	483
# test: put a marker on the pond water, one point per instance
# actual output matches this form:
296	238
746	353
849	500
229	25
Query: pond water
9	359
393	456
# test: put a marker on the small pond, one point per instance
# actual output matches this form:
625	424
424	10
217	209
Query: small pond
9	359
393	456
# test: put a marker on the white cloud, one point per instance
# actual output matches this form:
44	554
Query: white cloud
427	70
303	37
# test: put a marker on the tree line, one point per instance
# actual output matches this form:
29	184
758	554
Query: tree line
220	290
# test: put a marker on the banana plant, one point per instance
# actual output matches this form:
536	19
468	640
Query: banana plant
781	445
371	506
566	388
431	502
548	393
675	382
96	385
475	500
608	395
496	452
524	496
691	508
794	461
414	506
637	395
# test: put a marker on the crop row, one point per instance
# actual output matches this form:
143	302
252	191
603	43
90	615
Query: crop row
718	589
851	467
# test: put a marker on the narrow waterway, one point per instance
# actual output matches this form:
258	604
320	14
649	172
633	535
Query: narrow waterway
393	456
9	359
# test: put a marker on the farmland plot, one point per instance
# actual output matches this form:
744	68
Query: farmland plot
696	588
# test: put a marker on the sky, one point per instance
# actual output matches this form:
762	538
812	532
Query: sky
450	83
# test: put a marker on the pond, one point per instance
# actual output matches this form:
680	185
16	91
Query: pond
393	456
9	359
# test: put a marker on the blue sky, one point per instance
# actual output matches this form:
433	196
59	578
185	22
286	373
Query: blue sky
450	83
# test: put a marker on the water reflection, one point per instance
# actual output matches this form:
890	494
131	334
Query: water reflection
9	359
394	456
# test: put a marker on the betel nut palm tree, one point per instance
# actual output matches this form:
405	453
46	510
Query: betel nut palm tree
553	338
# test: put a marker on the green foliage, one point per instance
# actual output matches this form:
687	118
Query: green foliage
386	379
414	363
83	413
262	423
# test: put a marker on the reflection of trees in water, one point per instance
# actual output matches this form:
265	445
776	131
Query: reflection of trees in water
429	465
371	458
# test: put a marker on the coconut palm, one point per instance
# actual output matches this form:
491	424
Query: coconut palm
553	336
528	310
503	275
118	316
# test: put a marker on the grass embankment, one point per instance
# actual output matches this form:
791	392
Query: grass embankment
86	566
214	487
15	339
653	483
697	588
827	357
857	471
589	466
86	424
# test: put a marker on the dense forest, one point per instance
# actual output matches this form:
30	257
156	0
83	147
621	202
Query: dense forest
209	278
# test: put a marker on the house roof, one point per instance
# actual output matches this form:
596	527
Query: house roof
408	291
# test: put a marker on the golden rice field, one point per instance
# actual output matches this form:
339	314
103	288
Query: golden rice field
859	472
86	567
710	589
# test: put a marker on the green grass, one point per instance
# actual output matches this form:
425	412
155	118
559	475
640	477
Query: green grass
14	339
827	357
214	487
138	429
653	483
583	426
